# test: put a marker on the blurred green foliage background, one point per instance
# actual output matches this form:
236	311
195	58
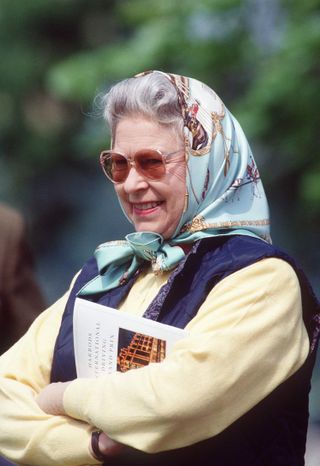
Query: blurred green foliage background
261	56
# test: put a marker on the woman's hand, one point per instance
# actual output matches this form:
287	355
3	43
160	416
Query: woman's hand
104	446
50	399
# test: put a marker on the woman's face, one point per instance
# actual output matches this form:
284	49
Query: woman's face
152	205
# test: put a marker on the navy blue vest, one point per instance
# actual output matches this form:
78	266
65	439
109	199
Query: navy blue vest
273	432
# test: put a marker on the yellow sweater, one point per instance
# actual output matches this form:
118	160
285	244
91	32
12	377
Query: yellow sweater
247	338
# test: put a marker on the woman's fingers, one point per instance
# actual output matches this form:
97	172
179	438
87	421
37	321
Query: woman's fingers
50	399
108	446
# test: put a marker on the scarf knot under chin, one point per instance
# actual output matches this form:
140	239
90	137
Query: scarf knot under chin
119	260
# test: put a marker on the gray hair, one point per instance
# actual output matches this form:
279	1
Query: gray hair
151	96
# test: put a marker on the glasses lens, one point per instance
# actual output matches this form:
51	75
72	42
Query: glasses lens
150	163
115	166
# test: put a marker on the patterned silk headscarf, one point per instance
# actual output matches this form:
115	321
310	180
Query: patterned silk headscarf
225	193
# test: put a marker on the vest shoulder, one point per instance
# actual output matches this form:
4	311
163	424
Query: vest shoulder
87	273
241	246
227	254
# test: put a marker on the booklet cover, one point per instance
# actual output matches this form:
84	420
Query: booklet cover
107	340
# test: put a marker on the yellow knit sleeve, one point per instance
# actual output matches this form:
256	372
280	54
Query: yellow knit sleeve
249	322
27	434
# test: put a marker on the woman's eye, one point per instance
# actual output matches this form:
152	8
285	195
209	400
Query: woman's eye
119	164
148	163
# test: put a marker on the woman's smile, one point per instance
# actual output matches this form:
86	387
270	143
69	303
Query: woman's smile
145	208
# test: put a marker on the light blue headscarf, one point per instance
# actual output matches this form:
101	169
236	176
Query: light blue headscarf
225	193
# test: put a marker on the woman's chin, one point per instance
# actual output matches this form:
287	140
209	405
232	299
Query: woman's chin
145	226
166	233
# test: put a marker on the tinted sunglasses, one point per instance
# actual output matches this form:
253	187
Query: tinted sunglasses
150	163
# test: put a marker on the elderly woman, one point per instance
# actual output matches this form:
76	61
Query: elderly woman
234	391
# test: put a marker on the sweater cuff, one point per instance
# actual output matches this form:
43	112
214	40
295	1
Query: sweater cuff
76	399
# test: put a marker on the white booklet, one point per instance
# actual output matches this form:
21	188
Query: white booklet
107	340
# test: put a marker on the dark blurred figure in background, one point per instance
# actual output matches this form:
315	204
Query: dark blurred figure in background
20	297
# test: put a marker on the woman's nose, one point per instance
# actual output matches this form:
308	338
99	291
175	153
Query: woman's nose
135	181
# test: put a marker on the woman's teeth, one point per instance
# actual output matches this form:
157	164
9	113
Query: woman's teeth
147	205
